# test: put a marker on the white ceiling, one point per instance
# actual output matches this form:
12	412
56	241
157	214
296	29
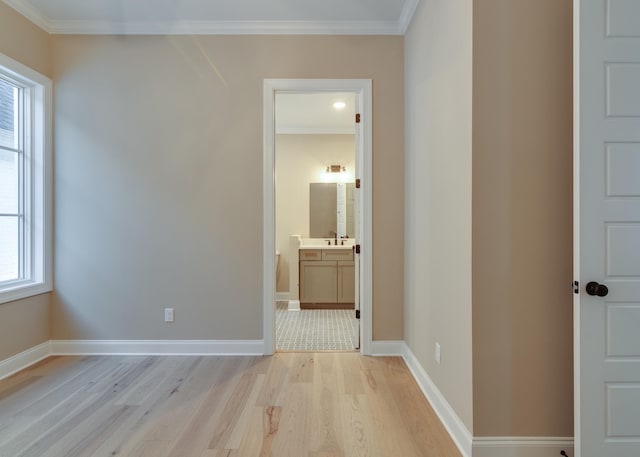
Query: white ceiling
353	17
314	113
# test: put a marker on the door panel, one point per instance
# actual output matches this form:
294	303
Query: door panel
607	230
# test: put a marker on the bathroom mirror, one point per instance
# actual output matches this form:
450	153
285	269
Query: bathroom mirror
331	210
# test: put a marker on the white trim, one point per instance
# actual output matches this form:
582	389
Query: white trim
24	359
225	28
512	446
456	428
577	423
157	347
363	89
40	187
268	217
314	131
406	15
387	348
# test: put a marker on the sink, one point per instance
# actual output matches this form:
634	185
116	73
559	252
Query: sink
321	243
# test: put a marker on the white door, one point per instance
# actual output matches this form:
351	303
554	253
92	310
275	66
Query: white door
607	228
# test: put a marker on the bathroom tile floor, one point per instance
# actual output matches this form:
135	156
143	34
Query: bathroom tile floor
313	329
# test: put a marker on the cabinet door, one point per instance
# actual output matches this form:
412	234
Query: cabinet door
346	282
318	281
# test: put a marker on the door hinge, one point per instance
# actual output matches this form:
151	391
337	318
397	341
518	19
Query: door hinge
357	249
576	287
358	183
357	118
357	314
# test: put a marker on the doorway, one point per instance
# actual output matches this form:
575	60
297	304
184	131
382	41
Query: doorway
333	170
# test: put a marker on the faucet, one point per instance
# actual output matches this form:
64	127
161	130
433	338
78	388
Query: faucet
335	237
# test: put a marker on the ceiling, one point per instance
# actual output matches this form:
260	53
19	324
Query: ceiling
322	17
314	113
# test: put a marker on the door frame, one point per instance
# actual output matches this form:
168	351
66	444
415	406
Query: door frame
577	448
362	88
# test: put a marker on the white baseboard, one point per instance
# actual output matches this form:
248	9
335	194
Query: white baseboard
456	428
157	347
387	348
294	305
24	359
511	446
282	296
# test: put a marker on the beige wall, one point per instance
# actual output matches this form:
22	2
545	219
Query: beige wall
23	41
23	323
300	160
158	179
522	216
438	81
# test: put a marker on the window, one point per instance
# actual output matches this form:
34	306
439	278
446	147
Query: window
25	181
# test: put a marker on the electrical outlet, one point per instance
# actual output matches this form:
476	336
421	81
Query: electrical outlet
437	353
168	314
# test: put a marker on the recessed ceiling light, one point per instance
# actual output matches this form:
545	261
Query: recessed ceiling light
339	105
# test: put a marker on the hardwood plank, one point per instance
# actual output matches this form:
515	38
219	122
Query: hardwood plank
302	366
359	438
326	427
292	439
351	371
394	439
271	425
240	428
275	384
232	412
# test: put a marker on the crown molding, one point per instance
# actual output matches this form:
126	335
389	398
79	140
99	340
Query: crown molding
224	28
406	15
399	27
25	8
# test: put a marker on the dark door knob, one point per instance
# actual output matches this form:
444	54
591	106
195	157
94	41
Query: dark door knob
593	288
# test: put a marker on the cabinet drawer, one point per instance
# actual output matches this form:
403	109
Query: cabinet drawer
310	254
337	254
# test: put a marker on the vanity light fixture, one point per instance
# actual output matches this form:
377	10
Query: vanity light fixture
339	105
335	169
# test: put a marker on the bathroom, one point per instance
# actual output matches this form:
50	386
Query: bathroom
315	164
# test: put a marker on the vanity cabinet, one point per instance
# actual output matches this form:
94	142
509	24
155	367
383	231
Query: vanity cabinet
327	276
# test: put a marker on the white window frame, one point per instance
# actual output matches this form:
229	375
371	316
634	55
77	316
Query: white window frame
38	173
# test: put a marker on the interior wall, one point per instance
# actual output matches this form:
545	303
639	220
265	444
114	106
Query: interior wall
24	323
158	179
24	41
302	159
522	218
438	120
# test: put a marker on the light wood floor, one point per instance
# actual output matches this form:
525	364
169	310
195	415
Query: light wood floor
291	404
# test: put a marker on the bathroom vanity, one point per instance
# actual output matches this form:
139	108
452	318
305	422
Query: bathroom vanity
327	277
